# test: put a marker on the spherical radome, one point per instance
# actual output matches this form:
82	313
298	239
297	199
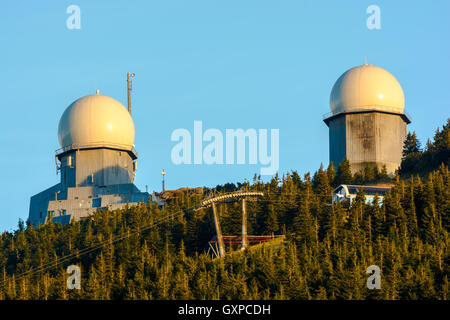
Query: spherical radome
367	87
96	120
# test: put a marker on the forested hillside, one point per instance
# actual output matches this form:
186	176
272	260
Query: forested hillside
418	160
148	253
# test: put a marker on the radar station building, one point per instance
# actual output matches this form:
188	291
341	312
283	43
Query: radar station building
96	162
367	122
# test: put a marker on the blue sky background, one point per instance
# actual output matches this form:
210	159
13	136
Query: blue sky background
232	64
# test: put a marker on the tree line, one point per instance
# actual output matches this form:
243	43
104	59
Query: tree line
161	253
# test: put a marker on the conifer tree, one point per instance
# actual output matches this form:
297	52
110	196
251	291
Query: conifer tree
331	173
411	145
344	174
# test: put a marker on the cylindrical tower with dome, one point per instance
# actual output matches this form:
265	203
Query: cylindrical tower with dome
97	162
367	122
96	135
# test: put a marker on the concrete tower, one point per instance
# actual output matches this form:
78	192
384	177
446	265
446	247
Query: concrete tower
97	162
367	121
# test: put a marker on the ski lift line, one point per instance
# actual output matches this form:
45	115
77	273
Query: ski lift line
63	259
99	245
90	249
84	251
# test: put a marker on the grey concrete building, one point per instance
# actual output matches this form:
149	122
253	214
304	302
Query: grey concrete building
96	162
367	122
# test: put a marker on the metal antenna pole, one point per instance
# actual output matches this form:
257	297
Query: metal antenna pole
219	233
129	90
163	186
244	225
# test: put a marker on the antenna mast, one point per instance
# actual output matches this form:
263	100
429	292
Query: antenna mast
129	90
163	174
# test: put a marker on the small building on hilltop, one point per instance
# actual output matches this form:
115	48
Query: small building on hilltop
346	191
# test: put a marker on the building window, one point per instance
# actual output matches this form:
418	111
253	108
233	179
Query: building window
96	202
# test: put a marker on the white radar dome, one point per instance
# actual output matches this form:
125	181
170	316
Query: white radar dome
96	120
367	87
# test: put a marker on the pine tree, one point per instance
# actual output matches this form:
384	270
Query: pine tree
272	221
344	174
331	173
321	185
411	145
383	175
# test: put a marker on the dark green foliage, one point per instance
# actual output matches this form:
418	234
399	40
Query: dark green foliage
411	145
325	255
344	173
416	161
331	173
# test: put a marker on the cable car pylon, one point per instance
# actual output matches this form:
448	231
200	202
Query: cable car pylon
230	197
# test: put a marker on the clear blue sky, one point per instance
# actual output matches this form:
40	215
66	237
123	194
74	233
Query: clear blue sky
230	63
